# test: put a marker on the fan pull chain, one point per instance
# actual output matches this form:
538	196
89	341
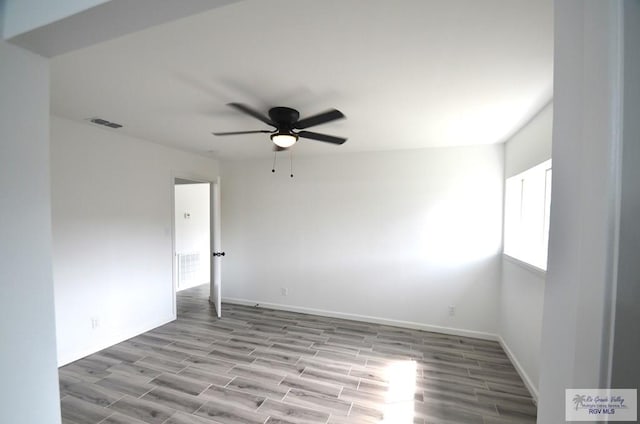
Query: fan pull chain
273	168
291	162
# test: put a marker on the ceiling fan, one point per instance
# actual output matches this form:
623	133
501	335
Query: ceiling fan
287	122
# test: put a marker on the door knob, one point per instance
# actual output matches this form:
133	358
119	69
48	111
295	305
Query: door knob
218	253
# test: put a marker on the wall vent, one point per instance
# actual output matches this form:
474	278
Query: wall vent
188	268
105	123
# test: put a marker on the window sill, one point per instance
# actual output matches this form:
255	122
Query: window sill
531	268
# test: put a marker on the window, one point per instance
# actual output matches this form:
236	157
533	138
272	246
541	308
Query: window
526	215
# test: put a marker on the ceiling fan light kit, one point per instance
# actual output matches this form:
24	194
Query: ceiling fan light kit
284	140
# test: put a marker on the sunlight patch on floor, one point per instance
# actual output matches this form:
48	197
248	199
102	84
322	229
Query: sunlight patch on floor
399	399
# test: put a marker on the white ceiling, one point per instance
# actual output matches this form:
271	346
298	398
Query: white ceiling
406	73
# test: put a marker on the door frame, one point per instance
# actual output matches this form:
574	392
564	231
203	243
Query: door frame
197	179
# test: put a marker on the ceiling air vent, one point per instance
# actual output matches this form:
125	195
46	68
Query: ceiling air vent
105	123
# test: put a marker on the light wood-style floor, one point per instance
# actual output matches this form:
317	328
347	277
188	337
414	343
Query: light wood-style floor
263	366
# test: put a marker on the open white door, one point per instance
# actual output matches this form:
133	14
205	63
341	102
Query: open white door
217	254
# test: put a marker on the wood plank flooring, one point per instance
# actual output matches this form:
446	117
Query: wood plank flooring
271	367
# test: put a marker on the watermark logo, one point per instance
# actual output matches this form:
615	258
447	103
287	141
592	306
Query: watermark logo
601	405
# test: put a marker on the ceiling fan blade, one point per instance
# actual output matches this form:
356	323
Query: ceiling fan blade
251	112
242	132
321	118
322	137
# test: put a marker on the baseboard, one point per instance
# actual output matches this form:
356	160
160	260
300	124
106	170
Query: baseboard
533	390
67	359
366	318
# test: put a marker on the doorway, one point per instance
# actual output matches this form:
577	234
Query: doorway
192	234
197	253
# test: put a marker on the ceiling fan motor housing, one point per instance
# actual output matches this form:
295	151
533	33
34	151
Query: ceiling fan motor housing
284	117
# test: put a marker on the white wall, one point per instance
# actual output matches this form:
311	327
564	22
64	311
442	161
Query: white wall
29	389
521	309
395	236
112	248
192	232
531	145
586	148
625	369
522	288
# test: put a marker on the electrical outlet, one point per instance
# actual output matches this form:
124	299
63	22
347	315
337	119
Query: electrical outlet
94	323
284	291
452	310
